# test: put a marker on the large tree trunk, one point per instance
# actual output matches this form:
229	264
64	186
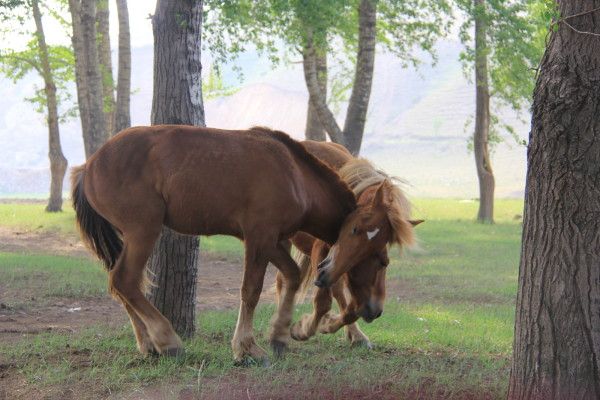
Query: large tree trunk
557	329
80	71
83	15
356	116
122	111
314	130
104	56
177	99
482	120
58	162
354	126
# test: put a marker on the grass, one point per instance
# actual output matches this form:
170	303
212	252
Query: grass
448	334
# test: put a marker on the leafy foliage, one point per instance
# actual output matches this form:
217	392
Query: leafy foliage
16	64
281	28
515	44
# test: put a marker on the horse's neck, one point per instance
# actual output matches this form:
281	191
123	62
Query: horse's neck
325	215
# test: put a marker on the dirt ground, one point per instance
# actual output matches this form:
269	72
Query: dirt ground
218	285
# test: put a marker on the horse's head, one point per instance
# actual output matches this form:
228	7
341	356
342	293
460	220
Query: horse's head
361	248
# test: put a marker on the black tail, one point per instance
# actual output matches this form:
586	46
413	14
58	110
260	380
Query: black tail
97	232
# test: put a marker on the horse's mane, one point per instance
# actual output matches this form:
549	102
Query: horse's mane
345	194
360	174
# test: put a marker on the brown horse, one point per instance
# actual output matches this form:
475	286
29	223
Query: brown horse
258	185
364	279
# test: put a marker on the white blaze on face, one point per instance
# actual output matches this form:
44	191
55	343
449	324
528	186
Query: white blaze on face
372	234
331	258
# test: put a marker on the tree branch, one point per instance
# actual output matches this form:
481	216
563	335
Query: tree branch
317	97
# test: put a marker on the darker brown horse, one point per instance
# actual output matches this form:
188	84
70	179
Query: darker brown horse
258	185
363	274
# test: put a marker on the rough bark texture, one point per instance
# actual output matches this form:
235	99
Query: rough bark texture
58	162
90	94
314	130
80	71
177	99
104	56
482	122
122	110
356	115
354	126
557	330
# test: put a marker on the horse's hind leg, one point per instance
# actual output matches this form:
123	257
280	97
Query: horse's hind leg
126	280
243	344
280	324
353	332
144	343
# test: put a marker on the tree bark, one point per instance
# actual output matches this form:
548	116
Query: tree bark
104	56
177	99
482	118
557	327
356	116
58	162
352	134
122	111
83	13
314	130
80	71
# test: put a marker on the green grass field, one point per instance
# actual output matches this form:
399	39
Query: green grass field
448	335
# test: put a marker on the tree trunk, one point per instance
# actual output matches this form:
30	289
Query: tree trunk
83	15
177	27
58	162
557	327
482	119
80	71
314	129
356	116
122	111
354	126
104	56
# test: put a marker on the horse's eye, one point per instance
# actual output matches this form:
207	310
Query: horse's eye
354	231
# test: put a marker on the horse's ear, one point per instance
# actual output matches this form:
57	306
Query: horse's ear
415	222
383	196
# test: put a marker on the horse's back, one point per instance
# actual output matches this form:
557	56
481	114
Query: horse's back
335	155
209	181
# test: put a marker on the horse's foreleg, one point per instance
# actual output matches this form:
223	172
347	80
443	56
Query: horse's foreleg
333	323
308	324
280	324
353	332
243	343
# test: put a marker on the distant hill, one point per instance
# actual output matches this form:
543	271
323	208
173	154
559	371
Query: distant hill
416	123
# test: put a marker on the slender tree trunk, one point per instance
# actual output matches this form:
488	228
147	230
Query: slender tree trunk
557	328
58	162
104	56
177	99
122	111
482	119
314	130
354	126
83	13
80	70
356	116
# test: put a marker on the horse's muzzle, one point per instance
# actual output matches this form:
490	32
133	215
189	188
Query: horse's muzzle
371	312
323	280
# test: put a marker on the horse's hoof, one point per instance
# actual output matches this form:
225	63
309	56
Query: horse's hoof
175	352
279	348
362	343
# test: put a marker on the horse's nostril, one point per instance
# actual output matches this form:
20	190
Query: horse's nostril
378	314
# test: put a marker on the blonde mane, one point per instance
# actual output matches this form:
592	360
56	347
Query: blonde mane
360	174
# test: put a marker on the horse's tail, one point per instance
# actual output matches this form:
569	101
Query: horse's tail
307	275
96	231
